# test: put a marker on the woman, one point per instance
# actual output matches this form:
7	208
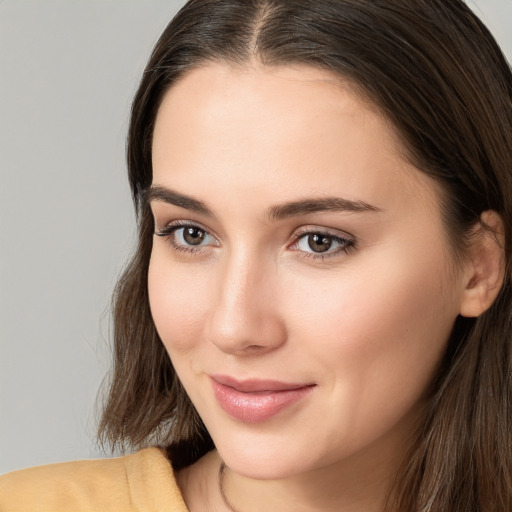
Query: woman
318	313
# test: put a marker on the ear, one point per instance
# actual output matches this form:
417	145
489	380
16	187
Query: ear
484	270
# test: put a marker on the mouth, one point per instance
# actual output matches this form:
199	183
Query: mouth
253	401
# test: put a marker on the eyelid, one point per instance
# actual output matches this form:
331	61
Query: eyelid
170	227
324	231
168	231
347	240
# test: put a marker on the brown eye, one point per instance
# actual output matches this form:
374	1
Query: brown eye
319	242
188	237
193	235
322	245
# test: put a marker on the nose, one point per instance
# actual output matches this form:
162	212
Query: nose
245	317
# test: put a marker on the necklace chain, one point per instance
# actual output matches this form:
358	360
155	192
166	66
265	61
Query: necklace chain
222	471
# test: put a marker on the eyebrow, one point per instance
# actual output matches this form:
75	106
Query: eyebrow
324	204
279	212
163	194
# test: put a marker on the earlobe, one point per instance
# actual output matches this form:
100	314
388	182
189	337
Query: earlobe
485	267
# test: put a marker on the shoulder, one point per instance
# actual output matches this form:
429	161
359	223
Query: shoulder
138	482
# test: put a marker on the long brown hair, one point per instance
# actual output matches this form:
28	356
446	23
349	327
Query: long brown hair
435	71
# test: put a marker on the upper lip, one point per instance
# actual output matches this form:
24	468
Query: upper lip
255	385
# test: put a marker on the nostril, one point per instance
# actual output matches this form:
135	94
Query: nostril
255	348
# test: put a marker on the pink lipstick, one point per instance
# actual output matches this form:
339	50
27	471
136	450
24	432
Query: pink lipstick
252	401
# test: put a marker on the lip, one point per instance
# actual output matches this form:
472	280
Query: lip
255	400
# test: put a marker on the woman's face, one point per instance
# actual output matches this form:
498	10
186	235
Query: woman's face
300	277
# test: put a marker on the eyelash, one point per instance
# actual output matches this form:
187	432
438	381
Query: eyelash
346	244
168	232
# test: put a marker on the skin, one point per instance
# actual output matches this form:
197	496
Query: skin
367	325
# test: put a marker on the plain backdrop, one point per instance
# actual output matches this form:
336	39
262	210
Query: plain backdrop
68	71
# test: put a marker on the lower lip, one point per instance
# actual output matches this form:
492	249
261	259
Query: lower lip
256	406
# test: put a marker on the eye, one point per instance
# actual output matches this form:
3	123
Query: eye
187	237
321	244
191	235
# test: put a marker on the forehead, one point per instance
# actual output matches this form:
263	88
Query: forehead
262	127
219	91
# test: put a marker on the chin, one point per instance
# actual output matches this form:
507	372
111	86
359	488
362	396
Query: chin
263	456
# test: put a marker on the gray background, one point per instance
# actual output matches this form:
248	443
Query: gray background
68	70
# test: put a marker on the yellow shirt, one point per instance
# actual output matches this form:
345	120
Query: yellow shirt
142	482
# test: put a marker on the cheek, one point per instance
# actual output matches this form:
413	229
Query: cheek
178	298
379	334
373	306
